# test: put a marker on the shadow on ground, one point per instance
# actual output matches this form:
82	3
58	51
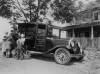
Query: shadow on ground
43	57
50	58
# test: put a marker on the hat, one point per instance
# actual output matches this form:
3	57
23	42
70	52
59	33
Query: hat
5	37
22	35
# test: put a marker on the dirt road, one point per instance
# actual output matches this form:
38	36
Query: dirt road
41	64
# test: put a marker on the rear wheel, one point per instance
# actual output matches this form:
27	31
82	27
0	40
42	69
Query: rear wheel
62	56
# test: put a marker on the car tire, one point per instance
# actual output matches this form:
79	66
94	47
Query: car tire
62	56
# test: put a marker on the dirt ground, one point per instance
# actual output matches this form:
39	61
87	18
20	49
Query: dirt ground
45	64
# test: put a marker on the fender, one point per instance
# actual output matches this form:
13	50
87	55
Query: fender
52	50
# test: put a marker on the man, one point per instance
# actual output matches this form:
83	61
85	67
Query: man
73	44
21	40
20	47
13	35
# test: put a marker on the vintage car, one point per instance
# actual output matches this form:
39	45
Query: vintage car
39	39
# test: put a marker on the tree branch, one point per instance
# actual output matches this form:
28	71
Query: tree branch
20	8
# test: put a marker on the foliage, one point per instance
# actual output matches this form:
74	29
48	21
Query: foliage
29	9
5	10
36	10
63	10
81	5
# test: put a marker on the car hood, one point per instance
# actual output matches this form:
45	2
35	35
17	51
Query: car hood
59	41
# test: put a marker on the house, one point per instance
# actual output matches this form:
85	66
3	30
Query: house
86	28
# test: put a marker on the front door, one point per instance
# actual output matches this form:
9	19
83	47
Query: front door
40	38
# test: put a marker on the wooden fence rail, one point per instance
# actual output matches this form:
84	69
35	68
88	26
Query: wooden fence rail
89	43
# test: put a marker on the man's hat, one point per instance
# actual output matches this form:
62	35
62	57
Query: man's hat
22	35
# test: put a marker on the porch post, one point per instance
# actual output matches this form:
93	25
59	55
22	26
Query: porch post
67	34
92	36
59	33
73	32
92	32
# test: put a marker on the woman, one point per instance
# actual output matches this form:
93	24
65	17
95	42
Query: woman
9	43
6	46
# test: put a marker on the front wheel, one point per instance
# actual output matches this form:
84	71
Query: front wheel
62	56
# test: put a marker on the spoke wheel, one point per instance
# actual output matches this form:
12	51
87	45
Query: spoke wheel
62	56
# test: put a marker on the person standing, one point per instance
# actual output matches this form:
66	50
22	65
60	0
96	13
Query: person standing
6	45
20	47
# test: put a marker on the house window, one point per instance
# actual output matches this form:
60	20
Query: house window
55	32
96	16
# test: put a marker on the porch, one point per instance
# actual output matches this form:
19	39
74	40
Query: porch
87	34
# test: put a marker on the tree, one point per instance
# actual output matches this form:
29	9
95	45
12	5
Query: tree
80	5
29	10
36	10
18	13
5	10
63	10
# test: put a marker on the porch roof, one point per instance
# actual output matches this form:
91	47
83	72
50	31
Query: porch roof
39	24
82	25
